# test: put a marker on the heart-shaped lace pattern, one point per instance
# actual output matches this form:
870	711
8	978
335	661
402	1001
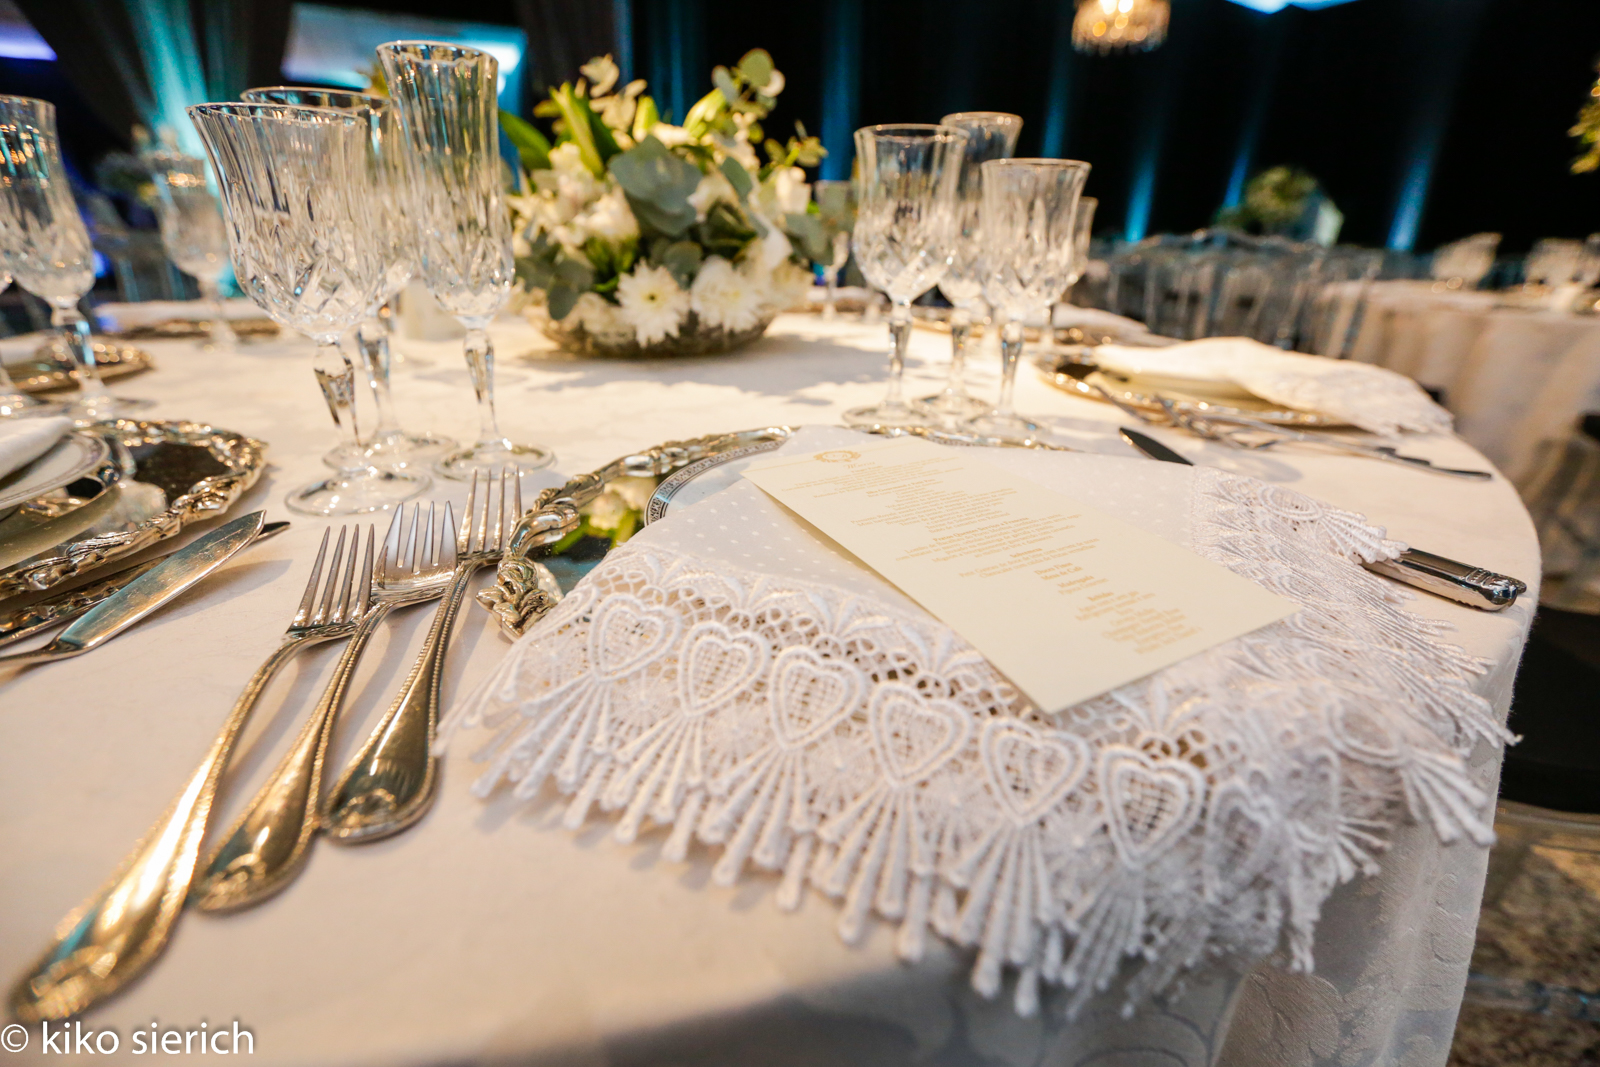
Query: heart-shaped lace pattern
868	752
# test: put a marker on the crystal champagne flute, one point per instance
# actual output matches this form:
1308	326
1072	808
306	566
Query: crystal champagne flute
836	208
904	235
445	96
193	233
1030	209
298	188
390	445
1082	232
990	135
46	245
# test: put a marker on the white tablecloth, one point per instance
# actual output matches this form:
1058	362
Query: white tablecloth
1516	379
489	934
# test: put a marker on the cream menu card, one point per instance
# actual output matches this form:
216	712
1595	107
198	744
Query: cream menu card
1068	602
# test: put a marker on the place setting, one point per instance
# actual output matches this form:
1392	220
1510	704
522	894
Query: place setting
780	704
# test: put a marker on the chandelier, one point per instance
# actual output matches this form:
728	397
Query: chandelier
1107	25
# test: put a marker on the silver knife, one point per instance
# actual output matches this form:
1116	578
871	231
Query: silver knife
1473	586
148	592
23	623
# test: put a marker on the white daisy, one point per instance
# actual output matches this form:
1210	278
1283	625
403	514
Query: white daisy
652	303
723	296
601	320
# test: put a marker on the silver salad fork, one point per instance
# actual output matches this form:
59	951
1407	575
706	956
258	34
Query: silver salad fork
114	935
391	783
271	841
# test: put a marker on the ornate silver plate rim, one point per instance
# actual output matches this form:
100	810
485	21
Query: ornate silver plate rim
244	457
520	595
115	360
1050	369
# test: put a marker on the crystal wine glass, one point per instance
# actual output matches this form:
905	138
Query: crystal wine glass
990	135
836	208
297	189
1030	209
193	233
445	95
45	244
14	403
904	235
1082	232
389	444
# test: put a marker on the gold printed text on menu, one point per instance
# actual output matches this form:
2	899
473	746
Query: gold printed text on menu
1068	601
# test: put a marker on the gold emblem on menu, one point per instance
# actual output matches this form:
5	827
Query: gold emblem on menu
838	455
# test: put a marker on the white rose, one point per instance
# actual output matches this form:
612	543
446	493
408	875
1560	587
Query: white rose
712	188
611	217
785	192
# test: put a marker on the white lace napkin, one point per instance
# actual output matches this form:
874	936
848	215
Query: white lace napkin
24	440
731	679
1374	398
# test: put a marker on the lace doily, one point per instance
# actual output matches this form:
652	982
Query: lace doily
855	745
1374	398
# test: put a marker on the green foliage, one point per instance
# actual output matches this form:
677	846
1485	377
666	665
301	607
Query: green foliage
533	148
1587	132
658	185
807	233
726	231
1275	198
682	258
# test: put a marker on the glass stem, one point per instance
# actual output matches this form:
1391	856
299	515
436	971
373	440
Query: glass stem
960	333
830	281
222	335
899	341
480	362
337	377
372	341
75	333
1010	353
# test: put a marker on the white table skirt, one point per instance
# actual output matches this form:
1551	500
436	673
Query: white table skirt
1516	379
488	933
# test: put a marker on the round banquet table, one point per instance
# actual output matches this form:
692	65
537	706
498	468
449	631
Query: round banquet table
1516	379
489	934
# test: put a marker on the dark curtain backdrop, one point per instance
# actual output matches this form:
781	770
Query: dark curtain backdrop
1337	91
562	36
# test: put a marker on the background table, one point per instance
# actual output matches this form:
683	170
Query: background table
1516	379
488	934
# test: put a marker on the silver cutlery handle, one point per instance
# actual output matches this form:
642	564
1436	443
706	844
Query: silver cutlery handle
271	840
390	784
114	935
1461	582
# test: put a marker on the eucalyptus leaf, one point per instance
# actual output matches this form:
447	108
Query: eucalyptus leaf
658	185
756	66
682	258
805	230
560	299
724	83
738	177
727	231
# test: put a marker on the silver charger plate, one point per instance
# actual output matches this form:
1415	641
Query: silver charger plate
162	476
77	454
50	368
1075	371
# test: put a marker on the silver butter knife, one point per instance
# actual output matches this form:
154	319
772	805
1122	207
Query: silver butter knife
1461	582
149	591
58	610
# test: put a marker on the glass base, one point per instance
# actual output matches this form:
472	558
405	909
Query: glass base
23	406
100	409
357	493
490	458
958	406
885	415
402	451
1007	428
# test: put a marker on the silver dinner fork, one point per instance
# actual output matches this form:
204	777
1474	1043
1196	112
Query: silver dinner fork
390	784
114	935
271	841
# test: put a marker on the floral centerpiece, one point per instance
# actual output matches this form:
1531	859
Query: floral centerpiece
637	237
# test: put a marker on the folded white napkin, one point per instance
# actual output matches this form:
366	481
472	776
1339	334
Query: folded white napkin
24	440
1065	316
1373	398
